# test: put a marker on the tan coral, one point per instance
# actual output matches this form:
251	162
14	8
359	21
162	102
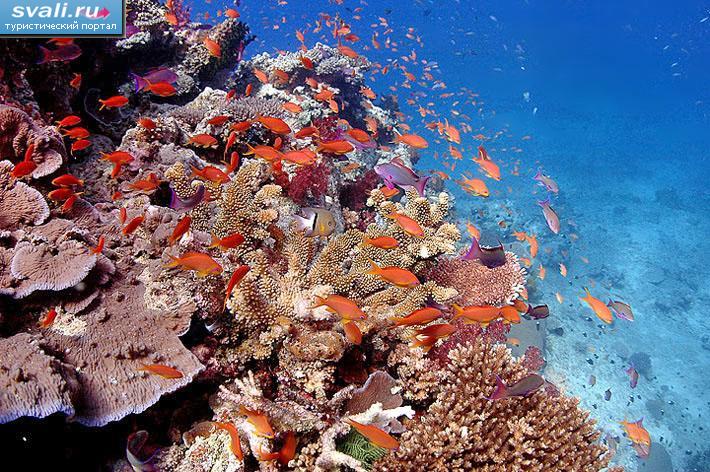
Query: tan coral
19	203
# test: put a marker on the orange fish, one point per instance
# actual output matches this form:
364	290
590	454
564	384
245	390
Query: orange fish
211	174
336	147
231	13
122	215
510	314
241	126
489	167
408	225
235	445
346	308
71	120
180	229
412	140
99	245
21	169
199	262
388	192
307	63
80	145
260	422
148	184
117	101
637	433
75	82
212	47
418	317
476	187
147	123
117	157
277	125
261	76
60	194
307	131
599	307
77	133
394	275
248	89
162	370
542	272
382	242
436	331
48	319
234	280
303	157
161	89
265	152
477	314
228	242
360	135
563	270
233	163
288	449
348	51
374	434
292	107
352	332
132	225
69	203
203	140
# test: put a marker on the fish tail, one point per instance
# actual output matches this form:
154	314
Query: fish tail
46	55
103	104
174	262
500	391
421	183
545	202
375	269
214	243
303	224
474	252
458	311
139	82
320	301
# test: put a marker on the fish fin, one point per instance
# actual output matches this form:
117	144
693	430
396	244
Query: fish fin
46	55
421	184
173	263
139	82
375	269
474	252
320	301
304	224
545	202
214	243
458	311
500	390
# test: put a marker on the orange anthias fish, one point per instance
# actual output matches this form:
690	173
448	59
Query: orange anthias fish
418	317
260	422
235	445
382	242
303	157
67	180
60	194
306	132
77	133
117	101
394	275
218	120
211	174
75	82
292	107
234	280
199	262
346	308
335	147
408	225
180	229
162	370
374	434
203	140
489	167
117	157
638	435
99	245
267	153
27	166
148	184
412	140
477	314
360	135
277	125
68	121
352	332
213	47
80	145
161	89
48	319
475	187
132	225
599	307
228	242
288	449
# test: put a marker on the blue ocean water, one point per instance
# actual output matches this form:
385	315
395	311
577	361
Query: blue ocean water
612	100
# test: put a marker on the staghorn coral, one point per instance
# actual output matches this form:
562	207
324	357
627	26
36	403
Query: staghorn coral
462	430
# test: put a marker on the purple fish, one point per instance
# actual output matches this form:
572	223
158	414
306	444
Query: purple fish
162	74
553	221
633	376
621	310
549	184
395	173
490	257
65	53
643	450
139	452
522	388
539	312
176	203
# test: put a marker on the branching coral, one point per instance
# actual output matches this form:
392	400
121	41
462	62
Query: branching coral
463	430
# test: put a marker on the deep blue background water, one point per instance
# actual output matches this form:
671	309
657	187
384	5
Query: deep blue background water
619	114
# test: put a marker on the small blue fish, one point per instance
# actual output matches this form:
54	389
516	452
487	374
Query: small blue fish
395	173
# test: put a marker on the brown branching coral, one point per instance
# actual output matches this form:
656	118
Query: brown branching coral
464	431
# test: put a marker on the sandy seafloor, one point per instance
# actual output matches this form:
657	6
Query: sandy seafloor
618	113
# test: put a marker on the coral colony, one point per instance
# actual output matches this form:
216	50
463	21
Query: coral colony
204	219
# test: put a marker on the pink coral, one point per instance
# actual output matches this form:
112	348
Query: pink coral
496	332
310	183
532	359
